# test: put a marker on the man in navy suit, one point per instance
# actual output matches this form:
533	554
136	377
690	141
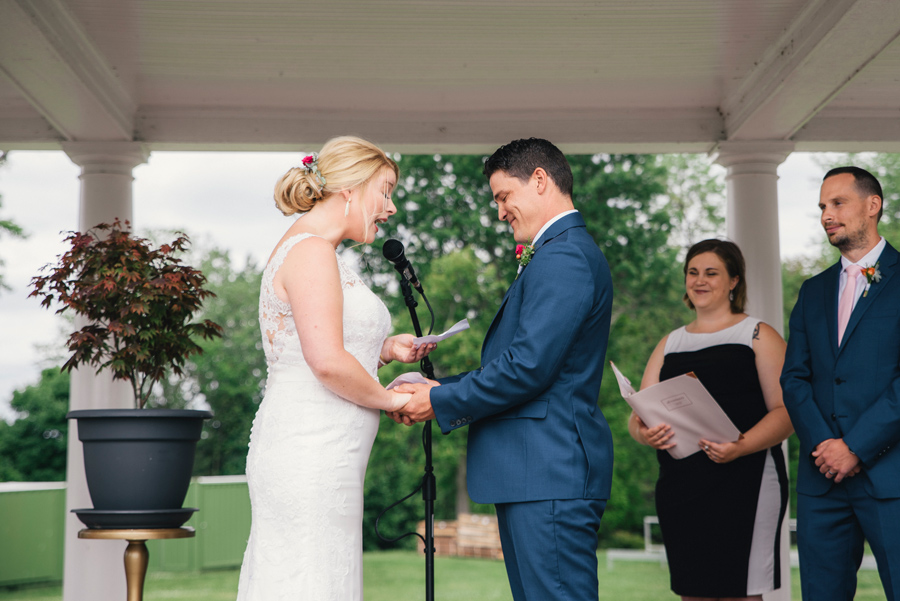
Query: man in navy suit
841	384
538	447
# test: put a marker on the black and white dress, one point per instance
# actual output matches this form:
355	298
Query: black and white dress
721	522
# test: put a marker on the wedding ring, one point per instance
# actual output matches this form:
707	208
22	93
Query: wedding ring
705	447
830	473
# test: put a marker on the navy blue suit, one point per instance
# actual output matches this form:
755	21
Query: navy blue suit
851	391
537	441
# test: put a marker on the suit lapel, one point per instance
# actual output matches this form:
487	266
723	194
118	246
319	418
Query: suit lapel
887	265
569	221
832	282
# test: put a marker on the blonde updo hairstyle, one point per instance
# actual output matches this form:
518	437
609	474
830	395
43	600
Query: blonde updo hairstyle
345	163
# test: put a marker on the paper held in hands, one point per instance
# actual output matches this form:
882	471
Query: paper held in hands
683	403
456	328
410	377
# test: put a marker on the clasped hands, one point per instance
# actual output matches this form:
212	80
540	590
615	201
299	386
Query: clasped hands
835	459
418	408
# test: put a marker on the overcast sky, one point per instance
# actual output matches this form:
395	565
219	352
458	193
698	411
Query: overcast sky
218	198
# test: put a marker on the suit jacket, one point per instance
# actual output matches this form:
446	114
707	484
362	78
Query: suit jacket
535	430
852	391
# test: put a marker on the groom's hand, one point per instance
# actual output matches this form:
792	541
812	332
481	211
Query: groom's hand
418	409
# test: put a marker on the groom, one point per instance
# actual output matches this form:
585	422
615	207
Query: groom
538	447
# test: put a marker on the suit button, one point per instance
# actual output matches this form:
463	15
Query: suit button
833	417
838	381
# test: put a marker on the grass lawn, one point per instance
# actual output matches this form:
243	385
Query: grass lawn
399	575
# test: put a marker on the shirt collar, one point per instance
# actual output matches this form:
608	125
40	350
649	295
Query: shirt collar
551	222
867	261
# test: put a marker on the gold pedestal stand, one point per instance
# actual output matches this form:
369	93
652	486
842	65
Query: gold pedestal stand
136	555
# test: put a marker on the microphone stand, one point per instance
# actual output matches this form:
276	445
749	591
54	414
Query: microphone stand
429	485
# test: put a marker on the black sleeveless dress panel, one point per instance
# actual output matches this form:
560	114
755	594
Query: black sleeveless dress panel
708	512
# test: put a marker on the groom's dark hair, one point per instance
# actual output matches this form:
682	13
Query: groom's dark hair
520	158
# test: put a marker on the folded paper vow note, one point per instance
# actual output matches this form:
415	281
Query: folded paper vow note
683	403
456	328
410	377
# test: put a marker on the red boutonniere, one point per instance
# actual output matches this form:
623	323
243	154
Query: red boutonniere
523	255
873	275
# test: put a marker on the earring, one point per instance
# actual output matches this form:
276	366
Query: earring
731	296
347	208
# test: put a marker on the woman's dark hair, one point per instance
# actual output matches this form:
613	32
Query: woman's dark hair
866	183
520	158
734	264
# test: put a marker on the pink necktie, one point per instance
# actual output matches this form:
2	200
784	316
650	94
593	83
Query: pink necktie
845	308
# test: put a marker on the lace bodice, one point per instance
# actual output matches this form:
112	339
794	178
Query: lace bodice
366	322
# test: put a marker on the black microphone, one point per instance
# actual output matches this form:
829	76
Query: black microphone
393	252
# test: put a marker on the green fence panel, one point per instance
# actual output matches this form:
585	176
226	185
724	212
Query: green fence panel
32	525
179	554
32	530
222	525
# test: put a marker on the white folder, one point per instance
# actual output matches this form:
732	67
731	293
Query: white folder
683	403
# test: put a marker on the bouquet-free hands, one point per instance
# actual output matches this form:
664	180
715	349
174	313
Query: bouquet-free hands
418	409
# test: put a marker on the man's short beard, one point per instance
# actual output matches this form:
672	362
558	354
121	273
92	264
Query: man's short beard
851	241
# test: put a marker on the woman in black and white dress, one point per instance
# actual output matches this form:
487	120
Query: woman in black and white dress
720	509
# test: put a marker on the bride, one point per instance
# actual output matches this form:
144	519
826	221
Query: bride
325	335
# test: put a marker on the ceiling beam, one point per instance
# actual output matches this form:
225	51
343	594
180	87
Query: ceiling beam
686	130
808	66
851	130
46	54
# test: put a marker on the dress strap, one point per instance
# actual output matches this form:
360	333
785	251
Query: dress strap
747	328
286	246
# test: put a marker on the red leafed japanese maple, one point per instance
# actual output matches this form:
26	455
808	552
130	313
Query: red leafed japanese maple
139	302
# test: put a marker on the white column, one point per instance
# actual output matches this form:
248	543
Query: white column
94	568
752	222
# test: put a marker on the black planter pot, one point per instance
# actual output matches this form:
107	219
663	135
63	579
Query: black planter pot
138	464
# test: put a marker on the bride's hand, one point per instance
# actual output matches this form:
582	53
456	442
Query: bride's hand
401	348
398	401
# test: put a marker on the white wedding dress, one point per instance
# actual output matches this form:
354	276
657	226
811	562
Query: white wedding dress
308	454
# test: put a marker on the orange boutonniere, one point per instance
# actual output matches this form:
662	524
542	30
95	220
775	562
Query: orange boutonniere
873	275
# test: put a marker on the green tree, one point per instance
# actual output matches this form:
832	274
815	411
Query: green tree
230	373
33	447
7	226
694	199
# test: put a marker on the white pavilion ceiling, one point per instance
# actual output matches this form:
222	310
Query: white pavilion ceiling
451	75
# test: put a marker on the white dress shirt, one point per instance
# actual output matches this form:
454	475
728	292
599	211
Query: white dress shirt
861	282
